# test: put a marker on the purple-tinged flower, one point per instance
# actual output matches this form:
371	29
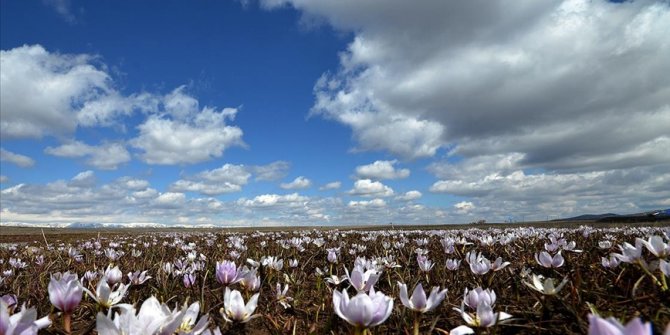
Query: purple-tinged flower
189	279
65	291
453	264
293	263
611	262
483	318
664	266
544	258
418	302
227	272
137	278
611	326
113	275
151	317
10	300
234	309
499	264
24	322
39	260
479	296
332	255
249	279
630	253
604	244
363	310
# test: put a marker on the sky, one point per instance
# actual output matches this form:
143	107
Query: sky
333	112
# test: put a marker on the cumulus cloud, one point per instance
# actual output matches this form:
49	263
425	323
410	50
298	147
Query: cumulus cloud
271	172
381	170
367	203
560	82
270	200
298	183
226	179
107	156
369	188
464	207
31	111
410	195
186	133
331	186
16	159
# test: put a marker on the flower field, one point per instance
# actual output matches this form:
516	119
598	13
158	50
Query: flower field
510	280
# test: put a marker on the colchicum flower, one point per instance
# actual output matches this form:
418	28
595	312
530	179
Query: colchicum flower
65	291
137	278
611	326
227	273
108	298
151	317
363	310
418	302
545	285
484	317
655	245
24	322
478	296
544	258
360	279
234	309
113	275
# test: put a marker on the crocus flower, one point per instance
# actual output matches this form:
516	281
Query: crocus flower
453	264
137	278
478	296
234	309
629	253
113	275
189	279
418	302
362	280
24	322
483	318
281	296
108	298
499	264
249	279
544	258
363	310
610	326
655	245
226	272
332	255
425	264
665	268
545	285
149	320
65	291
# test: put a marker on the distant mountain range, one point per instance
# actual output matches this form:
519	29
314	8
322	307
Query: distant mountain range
657	215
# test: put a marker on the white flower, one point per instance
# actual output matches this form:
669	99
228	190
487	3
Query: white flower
148	321
363	310
418	301
24	322
545	285
545	259
360	280
106	297
655	245
234	309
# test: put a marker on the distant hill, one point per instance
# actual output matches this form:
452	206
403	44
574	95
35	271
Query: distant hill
656	215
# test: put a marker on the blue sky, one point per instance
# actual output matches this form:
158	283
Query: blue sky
331	112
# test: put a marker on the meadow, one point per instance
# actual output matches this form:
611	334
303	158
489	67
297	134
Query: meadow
493	279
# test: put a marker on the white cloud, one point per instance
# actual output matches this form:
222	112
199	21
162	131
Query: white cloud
63	8
42	91
331	186
273	171
16	159
226	179
133	184
464	207
270	200
367	203
170	199
186	134
369	188
381	170
298	183
107	156
559	82
410	195
3	179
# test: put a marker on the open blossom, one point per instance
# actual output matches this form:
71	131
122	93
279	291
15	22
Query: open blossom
655	245
545	285
151	317
137	277
363	310
281	296
611	326
483	318
545	259
24	322
249	279
664	266
478	296
65	291
227	272
418	301
106	297
360	279
425	264
234	309
629	253
499	264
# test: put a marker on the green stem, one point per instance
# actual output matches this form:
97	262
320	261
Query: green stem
416	325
